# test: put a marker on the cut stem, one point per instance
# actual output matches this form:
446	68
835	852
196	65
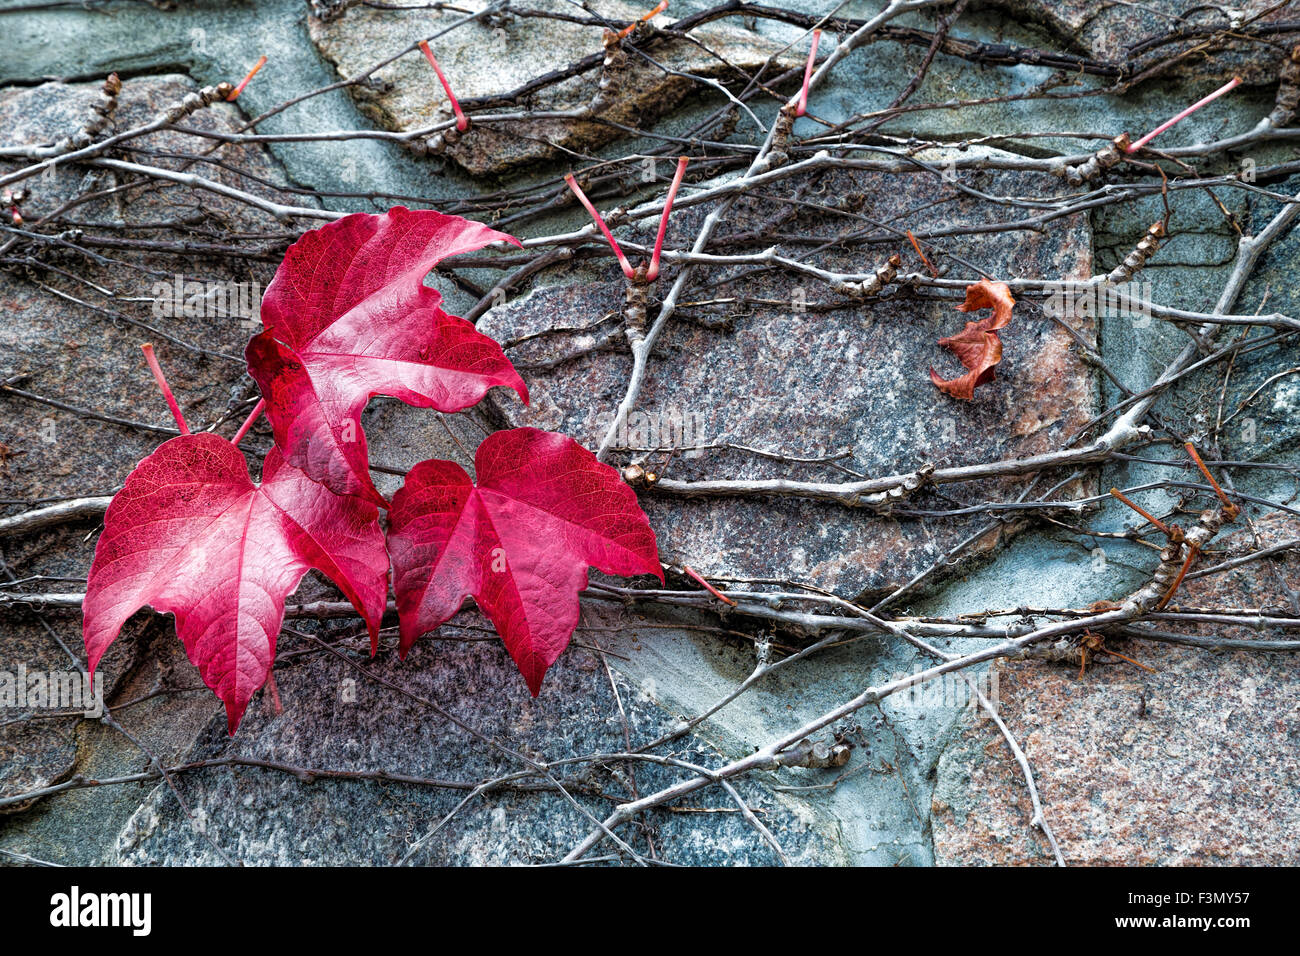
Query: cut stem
802	106
609	236
462	122
1135	146
652	272
1155	522
627	30
158	377
248	422
1192	552
917	246
707	586
276	706
234	94
1223	495
1124	657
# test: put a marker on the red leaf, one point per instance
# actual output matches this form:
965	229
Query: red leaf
348	316
977	346
520	542
190	533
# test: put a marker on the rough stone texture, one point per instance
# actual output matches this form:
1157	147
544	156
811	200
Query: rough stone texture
1195	764
1259	410
79	827
1109	31
874	815
767	375
91	359
336	717
1263	399
485	60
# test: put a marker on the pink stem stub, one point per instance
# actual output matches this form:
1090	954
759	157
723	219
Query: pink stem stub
234	94
627	30
600	221
699	579
1230	85
802	107
248	422
462	122
652	271
161	379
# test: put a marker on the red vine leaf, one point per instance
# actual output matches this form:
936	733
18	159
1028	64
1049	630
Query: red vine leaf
348	316
191	534
520	541
977	346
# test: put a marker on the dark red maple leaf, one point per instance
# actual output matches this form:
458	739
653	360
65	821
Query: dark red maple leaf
190	533
520	541
348	316
977	346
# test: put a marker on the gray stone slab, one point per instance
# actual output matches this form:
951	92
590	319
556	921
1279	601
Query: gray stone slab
491	58
1111	31
336	718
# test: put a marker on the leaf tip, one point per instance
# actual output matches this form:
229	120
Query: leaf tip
520	387
234	715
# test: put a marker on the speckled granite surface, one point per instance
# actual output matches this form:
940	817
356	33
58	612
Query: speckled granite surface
1197	763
